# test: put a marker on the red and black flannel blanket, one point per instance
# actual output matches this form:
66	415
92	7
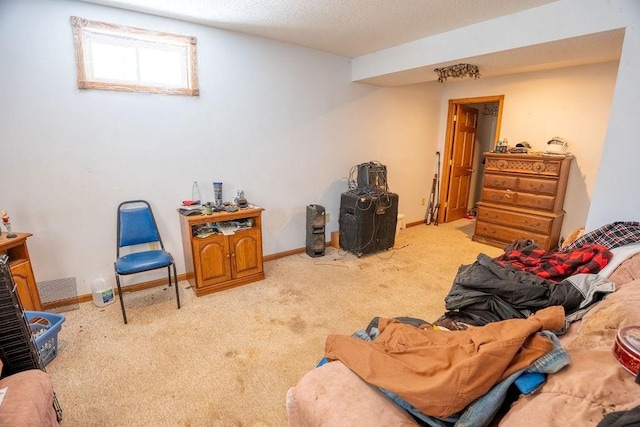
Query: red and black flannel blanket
557	266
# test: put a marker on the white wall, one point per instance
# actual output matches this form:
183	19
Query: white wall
283	123
570	102
615	194
612	198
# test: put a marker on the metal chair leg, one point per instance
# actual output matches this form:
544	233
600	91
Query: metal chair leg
124	315
175	279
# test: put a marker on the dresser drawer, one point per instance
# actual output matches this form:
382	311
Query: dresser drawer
513	198
536	201
500	182
533	165
537	185
505	197
536	224
495	233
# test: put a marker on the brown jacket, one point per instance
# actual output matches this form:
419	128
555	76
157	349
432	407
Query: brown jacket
441	372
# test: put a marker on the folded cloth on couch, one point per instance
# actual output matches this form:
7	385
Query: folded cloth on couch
556	266
610	236
441	372
485	292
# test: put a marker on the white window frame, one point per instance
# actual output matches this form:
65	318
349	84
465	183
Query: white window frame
185	46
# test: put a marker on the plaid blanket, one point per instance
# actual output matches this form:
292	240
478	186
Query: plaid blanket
557	266
610	236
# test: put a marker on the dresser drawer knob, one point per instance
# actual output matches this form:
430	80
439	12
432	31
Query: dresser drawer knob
536	225
501	164
539	167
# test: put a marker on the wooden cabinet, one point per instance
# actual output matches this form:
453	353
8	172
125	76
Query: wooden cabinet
20	265
219	262
522	198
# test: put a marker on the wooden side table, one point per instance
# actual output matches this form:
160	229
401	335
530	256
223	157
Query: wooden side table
20	265
219	262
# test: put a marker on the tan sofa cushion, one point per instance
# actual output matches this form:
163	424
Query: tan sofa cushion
28	401
332	395
595	383
627	272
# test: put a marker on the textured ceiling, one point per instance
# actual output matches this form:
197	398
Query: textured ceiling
344	27
354	28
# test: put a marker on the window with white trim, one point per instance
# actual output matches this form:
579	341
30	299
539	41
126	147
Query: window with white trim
114	57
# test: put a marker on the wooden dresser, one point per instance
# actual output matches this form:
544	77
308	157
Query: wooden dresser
522	198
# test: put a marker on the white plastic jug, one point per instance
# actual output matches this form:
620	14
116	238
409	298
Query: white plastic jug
102	293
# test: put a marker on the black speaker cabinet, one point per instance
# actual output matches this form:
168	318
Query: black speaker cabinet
315	230
368	222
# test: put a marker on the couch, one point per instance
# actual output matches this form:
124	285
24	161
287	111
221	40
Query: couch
593	385
28	400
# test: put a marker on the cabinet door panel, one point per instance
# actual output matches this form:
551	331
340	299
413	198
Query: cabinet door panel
26	286
246	250
212	260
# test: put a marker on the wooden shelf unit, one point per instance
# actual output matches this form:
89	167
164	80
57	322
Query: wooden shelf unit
20	265
220	262
522	198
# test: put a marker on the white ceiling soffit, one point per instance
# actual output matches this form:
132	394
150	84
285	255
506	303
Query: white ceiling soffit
349	28
590	49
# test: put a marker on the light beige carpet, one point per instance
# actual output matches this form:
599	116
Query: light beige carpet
227	359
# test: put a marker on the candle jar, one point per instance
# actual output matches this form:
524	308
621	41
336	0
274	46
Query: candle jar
10	233
241	201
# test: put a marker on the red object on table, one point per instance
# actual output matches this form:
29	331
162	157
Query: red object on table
627	348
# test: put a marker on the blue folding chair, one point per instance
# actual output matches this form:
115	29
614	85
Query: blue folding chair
137	226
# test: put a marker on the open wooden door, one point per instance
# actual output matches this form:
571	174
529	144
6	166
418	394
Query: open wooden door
458	155
461	162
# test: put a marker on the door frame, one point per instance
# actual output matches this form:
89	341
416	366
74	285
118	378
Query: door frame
449	140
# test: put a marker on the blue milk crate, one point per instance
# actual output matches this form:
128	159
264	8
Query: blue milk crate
45	333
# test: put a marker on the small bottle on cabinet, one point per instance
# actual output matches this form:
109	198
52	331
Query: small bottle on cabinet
195	193
217	194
